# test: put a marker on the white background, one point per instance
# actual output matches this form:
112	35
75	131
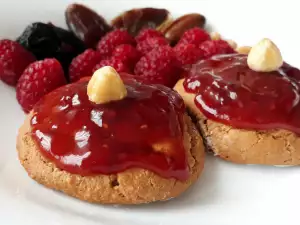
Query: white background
226	194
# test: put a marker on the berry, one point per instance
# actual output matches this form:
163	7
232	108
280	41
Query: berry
13	60
216	47
194	36
151	43
84	79
113	39
48	41
158	67
117	64
38	79
83	64
127	54
147	33
188	54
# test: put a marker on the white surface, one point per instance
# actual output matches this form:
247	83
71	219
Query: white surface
226	194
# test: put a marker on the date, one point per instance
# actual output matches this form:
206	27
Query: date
86	24
136	19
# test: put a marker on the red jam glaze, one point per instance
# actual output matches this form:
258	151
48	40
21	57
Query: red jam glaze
228	91
89	139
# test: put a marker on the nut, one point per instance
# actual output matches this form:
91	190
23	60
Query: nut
215	35
264	56
232	43
106	86
174	31
86	24
136	19
243	49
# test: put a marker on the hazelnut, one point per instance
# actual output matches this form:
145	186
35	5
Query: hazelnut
105	86
215	35
243	49
264	56
232	43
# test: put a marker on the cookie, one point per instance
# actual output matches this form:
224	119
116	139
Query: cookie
133	186
271	147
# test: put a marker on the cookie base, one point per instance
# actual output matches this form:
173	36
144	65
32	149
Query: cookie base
274	147
133	186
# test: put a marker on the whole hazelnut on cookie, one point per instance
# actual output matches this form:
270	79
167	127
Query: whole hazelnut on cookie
106	86
264	56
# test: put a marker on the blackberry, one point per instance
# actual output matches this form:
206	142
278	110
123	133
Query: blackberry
49	41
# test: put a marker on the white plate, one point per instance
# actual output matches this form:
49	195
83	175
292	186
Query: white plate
225	194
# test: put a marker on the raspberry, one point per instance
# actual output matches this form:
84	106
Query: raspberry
113	39
37	80
84	79
158	67
216	47
188	54
83	64
151	43
194	36
127	54
13	60
115	63
148	33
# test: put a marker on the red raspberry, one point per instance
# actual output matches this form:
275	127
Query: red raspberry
148	33
84	79
151	43
216	47
194	36
158	67
188	54
83	64
13	60
113	39
37	80
127	54
115	63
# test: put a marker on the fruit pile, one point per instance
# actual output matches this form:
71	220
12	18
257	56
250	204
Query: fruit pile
143	42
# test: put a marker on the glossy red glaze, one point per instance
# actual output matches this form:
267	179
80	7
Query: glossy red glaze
89	139
228	91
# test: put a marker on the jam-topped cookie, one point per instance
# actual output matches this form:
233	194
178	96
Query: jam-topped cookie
247	106
111	141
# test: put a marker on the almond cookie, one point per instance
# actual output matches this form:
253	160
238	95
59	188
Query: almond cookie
142	146
246	107
276	147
